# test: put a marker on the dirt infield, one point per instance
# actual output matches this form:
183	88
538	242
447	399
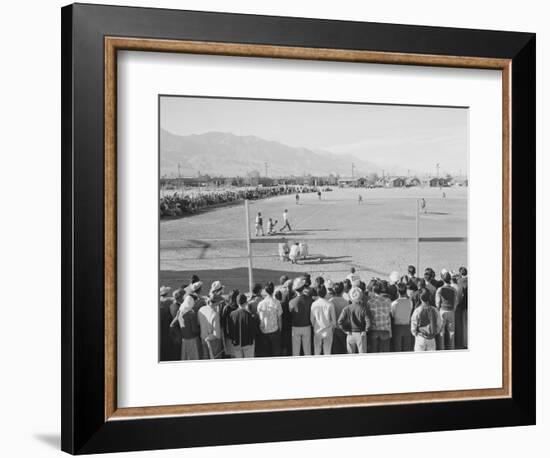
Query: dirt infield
375	237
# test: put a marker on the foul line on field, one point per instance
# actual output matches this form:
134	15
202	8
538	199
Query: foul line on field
193	243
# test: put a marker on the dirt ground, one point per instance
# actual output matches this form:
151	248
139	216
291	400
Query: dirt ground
375	237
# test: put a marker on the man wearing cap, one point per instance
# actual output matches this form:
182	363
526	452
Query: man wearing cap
446	302
323	320
379	305
355	322
300	311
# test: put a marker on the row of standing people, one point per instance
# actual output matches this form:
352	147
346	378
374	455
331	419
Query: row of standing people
297	317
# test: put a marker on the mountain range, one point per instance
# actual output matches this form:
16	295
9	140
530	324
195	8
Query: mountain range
226	154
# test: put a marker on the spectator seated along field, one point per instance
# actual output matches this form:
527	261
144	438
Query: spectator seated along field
191	201
345	316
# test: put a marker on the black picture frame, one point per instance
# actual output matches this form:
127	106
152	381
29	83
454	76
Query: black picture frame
84	428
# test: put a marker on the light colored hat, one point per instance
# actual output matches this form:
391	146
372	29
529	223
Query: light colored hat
217	285
299	282
288	283
329	284
394	276
443	271
164	290
194	287
355	294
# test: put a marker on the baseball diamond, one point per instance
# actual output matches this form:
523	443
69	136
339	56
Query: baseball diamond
376	237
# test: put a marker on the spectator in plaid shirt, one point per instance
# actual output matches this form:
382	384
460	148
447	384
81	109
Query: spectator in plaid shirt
380	331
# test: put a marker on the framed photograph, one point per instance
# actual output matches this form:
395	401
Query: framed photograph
271	222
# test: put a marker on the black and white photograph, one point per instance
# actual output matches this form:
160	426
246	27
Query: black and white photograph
293	228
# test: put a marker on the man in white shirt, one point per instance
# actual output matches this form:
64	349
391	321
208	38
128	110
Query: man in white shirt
323	320
294	253
286	224
401	310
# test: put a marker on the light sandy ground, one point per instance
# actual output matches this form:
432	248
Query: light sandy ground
335	229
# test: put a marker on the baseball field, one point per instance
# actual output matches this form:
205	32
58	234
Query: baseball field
376	236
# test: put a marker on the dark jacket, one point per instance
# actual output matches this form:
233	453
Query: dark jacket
300	310
224	318
354	318
445	298
242	327
190	328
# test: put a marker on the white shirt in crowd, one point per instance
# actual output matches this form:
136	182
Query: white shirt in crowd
323	316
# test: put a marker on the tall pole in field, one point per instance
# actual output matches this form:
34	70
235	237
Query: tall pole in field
248	245
417	235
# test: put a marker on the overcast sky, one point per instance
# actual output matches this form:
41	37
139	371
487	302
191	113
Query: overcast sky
389	135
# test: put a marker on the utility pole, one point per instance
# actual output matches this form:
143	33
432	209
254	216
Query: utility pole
265	164
352	170
437	168
179	170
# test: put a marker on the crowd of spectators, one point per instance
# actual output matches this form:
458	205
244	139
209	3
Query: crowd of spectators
192	201
304	317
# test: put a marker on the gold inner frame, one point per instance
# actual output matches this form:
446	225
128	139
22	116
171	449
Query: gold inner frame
114	44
